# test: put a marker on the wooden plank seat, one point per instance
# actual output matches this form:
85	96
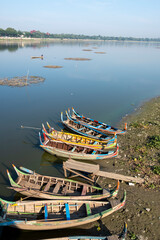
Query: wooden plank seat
74	148
45	211
114	202
80	129
84	190
88	209
100	126
47	187
68	217
57	187
89	131
65	188
94	152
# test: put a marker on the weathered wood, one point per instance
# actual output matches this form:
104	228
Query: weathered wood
79	174
47	187
90	168
120	177
95	171
56	188
84	190
27	215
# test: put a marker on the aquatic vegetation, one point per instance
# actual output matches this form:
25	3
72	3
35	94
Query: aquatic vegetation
78	59
21	81
52	66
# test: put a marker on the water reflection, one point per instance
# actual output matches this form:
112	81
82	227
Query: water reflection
13	45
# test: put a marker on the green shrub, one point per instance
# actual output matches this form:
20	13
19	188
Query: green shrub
154	141
156	170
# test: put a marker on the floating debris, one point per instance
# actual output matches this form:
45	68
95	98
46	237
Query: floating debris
52	66
100	52
78	59
21	81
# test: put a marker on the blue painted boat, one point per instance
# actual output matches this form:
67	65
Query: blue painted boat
87	131
94	124
55	214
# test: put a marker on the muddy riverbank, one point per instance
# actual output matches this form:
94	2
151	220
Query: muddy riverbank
139	156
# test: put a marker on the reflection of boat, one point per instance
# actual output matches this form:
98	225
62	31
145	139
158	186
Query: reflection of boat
55	214
86	131
101	127
35	185
78	139
122	236
65	150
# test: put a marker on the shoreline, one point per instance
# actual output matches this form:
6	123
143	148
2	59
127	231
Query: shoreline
140	146
137	157
19	39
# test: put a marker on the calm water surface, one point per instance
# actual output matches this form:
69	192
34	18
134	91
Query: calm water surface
106	88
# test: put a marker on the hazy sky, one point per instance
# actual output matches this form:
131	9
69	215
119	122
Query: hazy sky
135	18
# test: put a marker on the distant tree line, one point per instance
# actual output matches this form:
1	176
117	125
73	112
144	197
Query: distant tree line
11	32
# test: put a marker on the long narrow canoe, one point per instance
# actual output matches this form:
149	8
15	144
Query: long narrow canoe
32	184
55	214
87	131
79	140
121	236
64	150
97	125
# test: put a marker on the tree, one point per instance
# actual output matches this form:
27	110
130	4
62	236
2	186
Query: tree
2	32
11	32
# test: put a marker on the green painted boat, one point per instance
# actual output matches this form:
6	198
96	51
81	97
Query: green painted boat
35	185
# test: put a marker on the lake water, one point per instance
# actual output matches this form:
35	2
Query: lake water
107	87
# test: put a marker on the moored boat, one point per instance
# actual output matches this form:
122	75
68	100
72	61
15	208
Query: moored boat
96	125
87	131
64	150
55	214
35	185
79	140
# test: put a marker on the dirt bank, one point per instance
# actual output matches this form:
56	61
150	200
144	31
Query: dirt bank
139	156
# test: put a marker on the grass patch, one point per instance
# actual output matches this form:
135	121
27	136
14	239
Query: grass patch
156	170
153	141
132	236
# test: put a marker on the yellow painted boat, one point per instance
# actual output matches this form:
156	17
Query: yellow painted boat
79	140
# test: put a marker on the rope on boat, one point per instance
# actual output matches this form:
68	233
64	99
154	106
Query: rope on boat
30	127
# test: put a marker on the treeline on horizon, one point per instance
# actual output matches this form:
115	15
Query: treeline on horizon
11	32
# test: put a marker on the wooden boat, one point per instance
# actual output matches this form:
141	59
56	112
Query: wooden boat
32	184
97	125
55	214
64	150
34	57
79	140
87	131
121	236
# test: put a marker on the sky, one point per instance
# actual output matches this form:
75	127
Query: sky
128	18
